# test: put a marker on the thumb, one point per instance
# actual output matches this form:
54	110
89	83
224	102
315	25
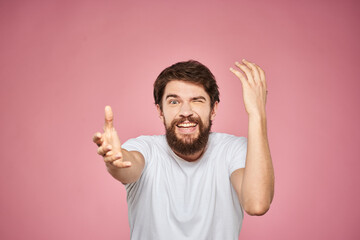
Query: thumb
108	118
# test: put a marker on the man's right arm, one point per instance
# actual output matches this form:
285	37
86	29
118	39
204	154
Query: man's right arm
128	174
125	166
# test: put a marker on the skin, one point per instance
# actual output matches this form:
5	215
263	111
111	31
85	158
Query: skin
254	184
185	99
125	166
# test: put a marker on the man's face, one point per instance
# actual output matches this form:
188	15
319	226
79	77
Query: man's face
187	116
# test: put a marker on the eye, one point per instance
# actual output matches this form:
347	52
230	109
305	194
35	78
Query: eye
174	101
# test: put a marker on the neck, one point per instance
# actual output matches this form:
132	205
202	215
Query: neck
192	157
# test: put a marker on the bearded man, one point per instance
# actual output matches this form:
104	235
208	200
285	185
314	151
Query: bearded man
191	183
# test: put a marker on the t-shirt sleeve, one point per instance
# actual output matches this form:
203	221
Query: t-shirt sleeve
238	152
140	144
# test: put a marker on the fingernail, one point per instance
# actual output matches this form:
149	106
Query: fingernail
118	155
109	147
128	164
244	60
237	63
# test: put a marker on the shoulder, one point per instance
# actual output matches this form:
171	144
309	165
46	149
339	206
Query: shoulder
147	139
228	144
231	148
148	146
224	138
144	142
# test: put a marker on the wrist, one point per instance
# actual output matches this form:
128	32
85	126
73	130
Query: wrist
260	116
257	122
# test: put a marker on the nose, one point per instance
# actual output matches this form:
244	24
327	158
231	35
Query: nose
185	110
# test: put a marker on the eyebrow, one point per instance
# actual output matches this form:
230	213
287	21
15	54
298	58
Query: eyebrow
176	96
171	96
198	98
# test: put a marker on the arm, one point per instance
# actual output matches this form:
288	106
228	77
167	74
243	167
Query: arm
255	183
125	166
131	173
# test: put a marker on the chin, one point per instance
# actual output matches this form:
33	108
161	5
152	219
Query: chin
187	138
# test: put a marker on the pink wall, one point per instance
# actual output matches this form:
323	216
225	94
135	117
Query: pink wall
61	62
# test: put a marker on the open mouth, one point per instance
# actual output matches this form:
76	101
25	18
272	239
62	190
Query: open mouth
187	125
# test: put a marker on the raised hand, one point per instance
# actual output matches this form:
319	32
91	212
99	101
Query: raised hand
109	143
254	87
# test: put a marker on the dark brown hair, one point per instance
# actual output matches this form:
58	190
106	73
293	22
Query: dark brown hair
190	71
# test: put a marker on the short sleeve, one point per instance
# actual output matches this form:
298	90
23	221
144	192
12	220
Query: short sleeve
140	144
237	153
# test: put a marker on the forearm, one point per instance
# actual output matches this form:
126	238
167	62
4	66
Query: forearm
258	181
128	174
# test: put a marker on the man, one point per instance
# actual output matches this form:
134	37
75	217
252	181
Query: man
190	183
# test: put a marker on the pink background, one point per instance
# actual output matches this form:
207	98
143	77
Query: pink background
61	62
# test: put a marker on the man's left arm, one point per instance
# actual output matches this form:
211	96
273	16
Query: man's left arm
254	184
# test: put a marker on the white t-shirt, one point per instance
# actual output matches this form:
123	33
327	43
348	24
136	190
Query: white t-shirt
175	199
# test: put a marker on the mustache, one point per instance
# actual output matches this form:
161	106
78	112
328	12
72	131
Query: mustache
183	119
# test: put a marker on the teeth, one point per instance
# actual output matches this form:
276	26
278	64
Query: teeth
186	125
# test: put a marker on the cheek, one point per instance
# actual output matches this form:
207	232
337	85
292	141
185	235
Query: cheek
203	113
169	114
167	123
167	119
206	118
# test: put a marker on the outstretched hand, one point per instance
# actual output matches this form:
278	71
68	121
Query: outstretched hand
109	142
254	87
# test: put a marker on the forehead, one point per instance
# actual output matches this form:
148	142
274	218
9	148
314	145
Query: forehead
185	89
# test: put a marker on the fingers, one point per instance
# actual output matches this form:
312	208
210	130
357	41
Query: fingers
116	160
110	152
247	72
239	75
254	71
254	74
108	118
262	76
97	138
121	164
102	150
110	156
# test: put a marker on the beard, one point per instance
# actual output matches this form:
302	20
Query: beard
188	145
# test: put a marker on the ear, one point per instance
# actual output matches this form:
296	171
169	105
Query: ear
213	111
161	115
